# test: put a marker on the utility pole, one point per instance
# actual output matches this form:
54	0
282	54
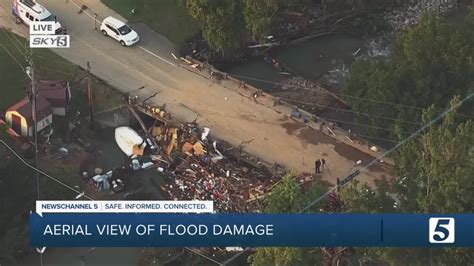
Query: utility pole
31	75
89	95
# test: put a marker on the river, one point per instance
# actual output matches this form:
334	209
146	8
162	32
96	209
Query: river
326	59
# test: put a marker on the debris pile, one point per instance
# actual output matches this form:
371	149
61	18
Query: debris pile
307	95
191	162
200	171
201	179
194	165
408	16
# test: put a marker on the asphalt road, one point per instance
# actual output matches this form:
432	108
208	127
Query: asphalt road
232	117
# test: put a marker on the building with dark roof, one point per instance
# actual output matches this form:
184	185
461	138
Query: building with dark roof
20	116
52	97
57	93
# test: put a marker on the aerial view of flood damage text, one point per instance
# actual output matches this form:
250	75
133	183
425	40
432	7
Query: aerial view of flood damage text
236	132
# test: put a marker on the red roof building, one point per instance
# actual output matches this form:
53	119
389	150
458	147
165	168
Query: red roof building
57	93
52	97
20	116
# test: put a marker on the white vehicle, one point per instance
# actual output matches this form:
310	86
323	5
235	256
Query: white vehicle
119	31
26	11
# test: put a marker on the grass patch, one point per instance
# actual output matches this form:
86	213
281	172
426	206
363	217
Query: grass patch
164	16
13	52
12	78
17	182
48	65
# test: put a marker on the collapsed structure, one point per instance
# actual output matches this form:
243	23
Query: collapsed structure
193	165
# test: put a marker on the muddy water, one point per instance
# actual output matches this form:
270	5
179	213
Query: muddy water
325	58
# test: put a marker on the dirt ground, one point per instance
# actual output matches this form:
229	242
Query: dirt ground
188	96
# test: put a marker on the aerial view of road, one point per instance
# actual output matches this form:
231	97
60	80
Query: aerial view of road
272	115
231	116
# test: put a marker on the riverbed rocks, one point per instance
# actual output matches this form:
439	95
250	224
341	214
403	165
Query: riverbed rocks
307	95
401	19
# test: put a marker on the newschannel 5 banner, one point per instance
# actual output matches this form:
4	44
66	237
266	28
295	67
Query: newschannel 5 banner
138	224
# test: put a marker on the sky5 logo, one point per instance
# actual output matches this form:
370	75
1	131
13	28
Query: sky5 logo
442	230
49	41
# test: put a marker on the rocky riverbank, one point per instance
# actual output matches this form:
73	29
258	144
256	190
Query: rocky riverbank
403	18
307	95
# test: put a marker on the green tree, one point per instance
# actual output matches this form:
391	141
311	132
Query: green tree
221	23
436	169
431	63
435	174
259	15
288	197
285	256
361	198
294	4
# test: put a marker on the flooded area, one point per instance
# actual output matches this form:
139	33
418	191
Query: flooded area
326	59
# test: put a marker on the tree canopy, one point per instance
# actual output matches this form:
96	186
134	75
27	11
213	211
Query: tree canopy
435	174
220	22
431	63
436	170
288	197
228	25
259	16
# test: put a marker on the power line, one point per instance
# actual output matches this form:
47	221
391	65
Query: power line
77	191
14	43
416	133
56	60
339	94
377	138
41	172
54	70
352	123
240	118
198	111
38	170
365	125
351	176
203	255
31	74
350	111
326	92
16	61
25	45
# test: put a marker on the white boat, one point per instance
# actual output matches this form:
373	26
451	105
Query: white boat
126	138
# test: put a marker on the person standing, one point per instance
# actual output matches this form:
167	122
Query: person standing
317	165
323	163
